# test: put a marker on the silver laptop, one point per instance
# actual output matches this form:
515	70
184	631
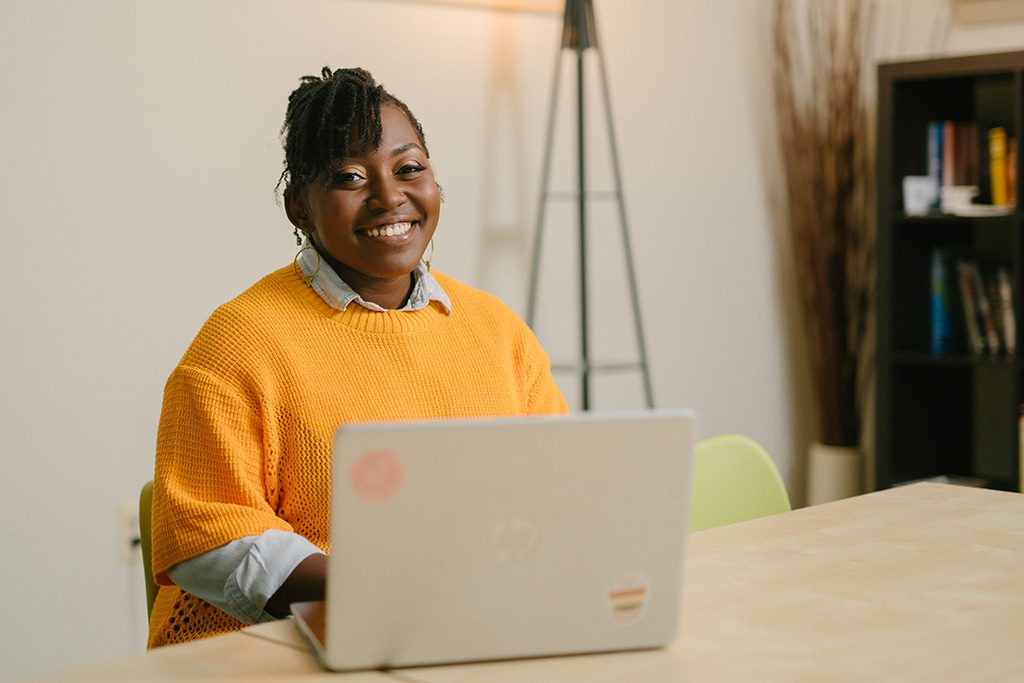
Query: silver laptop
490	539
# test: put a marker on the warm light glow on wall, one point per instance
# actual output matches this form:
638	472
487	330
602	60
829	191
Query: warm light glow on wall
976	11
547	6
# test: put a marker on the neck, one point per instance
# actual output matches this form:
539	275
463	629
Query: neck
390	293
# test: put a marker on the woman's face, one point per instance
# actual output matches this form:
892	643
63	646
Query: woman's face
377	212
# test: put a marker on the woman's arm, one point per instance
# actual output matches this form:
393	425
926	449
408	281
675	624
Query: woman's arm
244	576
307	582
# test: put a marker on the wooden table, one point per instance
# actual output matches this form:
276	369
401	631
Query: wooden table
919	583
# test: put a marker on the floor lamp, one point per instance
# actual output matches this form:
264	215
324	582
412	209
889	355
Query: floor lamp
579	34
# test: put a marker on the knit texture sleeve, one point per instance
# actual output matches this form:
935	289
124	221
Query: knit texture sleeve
210	486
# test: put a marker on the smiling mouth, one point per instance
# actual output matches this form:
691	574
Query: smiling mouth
392	230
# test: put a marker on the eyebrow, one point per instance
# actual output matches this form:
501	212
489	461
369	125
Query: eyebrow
405	148
394	153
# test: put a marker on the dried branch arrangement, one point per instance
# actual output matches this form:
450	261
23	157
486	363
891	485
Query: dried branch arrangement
818	74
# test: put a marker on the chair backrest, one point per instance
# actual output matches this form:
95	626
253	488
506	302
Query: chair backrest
145	534
734	480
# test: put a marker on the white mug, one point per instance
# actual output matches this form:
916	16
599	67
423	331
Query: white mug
920	193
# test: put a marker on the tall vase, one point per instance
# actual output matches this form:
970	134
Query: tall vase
834	472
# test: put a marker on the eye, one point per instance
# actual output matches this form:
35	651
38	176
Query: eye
410	168
345	178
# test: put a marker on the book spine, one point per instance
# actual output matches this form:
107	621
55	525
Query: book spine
1011	170
942	326
970	144
959	154
984	308
984	168
1009	318
967	298
948	133
935	155
997	164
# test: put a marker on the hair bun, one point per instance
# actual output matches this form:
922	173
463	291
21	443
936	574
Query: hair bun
354	75
362	76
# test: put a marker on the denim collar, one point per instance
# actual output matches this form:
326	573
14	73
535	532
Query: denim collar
337	294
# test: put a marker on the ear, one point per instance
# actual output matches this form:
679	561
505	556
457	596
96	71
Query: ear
297	210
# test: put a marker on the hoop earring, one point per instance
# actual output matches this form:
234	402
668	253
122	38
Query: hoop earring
427	260
297	269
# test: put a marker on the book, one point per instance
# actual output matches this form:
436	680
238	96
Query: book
984	309
1011	170
960	157
966	158
958	154
941	324
935	154
992	294
997	163
984	178
1008	318
975	341
981	210
948	173
977	162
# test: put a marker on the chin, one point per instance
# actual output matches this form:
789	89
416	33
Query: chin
392	271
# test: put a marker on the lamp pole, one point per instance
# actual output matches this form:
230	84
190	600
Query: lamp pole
579	34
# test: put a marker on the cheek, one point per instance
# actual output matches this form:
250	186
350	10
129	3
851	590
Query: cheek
338	213
430	200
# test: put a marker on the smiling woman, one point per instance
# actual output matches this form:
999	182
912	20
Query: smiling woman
357	329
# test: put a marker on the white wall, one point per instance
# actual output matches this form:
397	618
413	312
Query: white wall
140	150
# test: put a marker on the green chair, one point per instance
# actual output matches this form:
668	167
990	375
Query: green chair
145	538
734	480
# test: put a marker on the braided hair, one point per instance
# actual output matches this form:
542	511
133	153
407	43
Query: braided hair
329	115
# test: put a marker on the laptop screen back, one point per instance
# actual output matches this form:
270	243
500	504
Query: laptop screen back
499	538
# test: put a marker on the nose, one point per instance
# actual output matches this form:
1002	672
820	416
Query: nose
385	194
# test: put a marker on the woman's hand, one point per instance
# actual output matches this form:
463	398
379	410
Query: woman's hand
306	583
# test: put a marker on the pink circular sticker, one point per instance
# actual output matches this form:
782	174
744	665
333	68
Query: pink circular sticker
377	475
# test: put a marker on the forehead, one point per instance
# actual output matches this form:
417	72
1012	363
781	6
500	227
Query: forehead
396	130
393	120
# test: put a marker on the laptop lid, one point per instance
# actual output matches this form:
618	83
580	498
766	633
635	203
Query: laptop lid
486	539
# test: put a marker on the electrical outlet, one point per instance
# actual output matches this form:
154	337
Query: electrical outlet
129	543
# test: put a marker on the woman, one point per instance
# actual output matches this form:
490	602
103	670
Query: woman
357	329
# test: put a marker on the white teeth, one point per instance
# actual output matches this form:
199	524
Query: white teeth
390	230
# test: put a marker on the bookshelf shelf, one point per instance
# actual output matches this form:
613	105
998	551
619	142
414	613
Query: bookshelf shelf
913	222
953	413
952	360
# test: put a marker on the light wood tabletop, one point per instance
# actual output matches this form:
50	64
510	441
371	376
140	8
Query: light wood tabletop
248	655
918	583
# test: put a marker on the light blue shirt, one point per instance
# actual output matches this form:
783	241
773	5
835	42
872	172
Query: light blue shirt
337	294
239	577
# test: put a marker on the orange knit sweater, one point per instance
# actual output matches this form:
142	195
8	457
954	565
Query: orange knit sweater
249	414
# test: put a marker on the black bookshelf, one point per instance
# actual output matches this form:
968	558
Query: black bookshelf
953	413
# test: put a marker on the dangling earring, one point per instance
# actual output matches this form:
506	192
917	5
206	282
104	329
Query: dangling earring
428	259
298	238
297	269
